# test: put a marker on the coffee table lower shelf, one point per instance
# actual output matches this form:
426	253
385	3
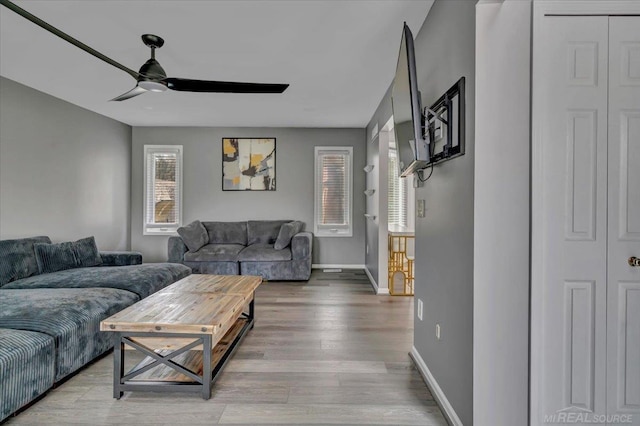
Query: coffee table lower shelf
175	370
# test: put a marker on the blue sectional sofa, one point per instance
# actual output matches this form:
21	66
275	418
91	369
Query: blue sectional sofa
274	249
49	321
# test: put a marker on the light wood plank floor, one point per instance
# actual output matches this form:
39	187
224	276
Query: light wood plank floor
327	351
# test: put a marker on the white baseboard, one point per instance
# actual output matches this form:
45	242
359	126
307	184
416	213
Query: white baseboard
332	266
438	394
374	284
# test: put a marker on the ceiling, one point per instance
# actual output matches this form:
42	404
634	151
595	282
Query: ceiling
339	57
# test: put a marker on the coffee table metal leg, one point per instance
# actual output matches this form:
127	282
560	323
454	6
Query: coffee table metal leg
118	364
251	309
206	366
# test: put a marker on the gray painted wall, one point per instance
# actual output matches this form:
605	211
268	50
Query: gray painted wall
445	51
502	206
293	199
64	171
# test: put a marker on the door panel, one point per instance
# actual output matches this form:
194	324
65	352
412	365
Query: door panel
623	316
579	349
627	376
582	183
574	198
629	176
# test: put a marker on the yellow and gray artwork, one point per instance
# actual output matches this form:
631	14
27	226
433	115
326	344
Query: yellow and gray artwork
248	164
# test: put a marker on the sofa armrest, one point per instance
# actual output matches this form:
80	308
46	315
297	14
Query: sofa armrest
302	246
176	250
120	258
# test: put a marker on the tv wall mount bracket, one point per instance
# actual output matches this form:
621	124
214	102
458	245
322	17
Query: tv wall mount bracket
447	112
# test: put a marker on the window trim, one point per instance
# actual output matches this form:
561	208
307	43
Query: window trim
402	186
318	230
154	229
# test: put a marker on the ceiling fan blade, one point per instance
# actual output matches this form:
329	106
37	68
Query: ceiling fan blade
67	37
130	94
187	85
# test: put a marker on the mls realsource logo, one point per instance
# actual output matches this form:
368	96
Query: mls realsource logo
577	415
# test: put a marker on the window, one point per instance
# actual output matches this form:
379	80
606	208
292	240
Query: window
397	191
333	191
162	189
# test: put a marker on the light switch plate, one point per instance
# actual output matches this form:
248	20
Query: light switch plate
420	208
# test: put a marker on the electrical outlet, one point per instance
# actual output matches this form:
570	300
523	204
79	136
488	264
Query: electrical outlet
420	309
438	331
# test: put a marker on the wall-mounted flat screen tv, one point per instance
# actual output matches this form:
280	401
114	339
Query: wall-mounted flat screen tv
413	149
432	137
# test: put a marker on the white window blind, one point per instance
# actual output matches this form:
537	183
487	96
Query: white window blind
397	188
333	191
162	189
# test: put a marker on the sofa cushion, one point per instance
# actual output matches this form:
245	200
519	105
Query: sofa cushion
18	258
121	258
71	316
194	235
27	368
215	253
142	280
86	252
264	253
263	231
287	231
227	232
55	257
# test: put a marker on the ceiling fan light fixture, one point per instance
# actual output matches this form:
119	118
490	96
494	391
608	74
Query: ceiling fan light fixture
152	86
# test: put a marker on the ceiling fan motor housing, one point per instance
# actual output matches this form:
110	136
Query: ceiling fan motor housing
151	74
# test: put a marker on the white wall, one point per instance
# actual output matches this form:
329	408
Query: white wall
502	206
64	171
293	198
372	207
377	179
382	193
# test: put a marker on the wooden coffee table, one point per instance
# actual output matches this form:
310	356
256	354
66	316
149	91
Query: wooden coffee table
188	331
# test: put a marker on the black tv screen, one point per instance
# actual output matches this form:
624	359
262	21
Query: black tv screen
412	147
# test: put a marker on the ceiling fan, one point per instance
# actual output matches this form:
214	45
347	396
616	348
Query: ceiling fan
151	76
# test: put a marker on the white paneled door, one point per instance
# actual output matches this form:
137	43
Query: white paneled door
586	226
623	280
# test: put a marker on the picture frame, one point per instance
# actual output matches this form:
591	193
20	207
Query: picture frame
248	164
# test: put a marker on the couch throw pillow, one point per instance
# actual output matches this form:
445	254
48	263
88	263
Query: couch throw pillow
55	257
287	231
18	258
68	255
86	252
194	235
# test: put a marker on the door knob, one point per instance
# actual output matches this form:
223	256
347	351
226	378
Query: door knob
634	261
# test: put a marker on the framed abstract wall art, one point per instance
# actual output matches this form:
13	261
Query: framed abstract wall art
248	164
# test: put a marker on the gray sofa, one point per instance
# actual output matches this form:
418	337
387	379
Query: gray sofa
277	250
49	321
